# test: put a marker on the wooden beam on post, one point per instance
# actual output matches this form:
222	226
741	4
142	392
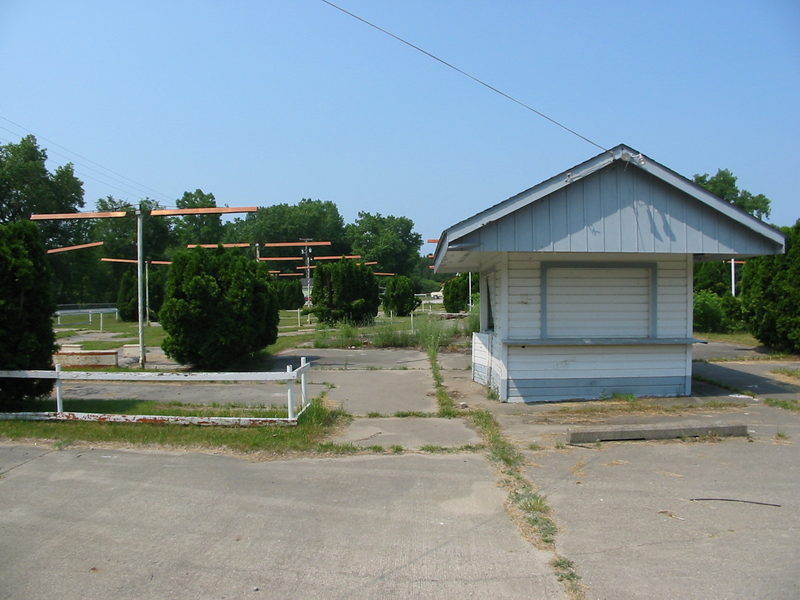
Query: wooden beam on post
78	247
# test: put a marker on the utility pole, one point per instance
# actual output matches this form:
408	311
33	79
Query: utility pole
140	281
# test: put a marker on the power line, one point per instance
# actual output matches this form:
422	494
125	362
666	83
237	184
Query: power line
465	74
113	174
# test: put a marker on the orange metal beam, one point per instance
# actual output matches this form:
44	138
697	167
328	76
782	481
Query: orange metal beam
288	244
433	241
89	215
281	258
217	210
336	257
237	245
290	275
386	274
78	247
304	268
119	260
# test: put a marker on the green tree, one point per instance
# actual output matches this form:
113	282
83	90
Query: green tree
119	235
345	292
389	240
715	275
723	185
27	187
220	307
128	296
771	295
456	293
309	219
290	293
398	297
197	229
27	340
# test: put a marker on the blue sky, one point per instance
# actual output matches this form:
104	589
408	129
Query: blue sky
269	102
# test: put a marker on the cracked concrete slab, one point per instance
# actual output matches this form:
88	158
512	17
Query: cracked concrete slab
410	433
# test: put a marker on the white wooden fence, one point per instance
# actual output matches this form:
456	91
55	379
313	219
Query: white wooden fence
293	408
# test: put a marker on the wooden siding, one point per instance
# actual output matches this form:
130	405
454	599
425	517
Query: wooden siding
557	372
544	374
618	210
481	360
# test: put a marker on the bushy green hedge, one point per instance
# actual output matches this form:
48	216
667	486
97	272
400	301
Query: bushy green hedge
771	295
290	293
718	314
456	293
27	340
345	292
398	297
220	307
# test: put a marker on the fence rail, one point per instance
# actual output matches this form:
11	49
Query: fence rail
293	408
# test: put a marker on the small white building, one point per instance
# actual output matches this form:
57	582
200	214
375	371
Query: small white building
586	278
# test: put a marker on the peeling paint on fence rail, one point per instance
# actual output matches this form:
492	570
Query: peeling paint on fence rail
290	375
151	419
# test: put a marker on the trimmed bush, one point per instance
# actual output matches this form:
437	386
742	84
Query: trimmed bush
290	294
220	308
345	292
456	293
398	297
27	340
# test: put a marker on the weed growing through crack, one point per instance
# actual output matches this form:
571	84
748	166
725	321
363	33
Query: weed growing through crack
396	449
793	405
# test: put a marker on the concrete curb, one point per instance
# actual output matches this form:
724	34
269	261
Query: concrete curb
654	432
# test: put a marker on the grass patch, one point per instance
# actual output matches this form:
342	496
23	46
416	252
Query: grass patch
396	449
412	413
742	338
314	424
566	574
793	405
795	373
151	407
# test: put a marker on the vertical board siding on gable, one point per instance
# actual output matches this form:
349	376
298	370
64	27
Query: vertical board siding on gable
618	210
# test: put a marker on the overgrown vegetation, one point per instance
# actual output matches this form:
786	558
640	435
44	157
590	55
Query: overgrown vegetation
793	405
313	426
771	295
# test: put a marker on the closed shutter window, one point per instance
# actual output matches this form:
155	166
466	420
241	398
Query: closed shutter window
584	302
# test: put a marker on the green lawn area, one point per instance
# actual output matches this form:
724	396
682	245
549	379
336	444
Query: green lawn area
308	435
742	338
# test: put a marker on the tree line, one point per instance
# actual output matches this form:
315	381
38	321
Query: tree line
28	187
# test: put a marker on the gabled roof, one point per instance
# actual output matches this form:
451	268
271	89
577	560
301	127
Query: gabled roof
640	185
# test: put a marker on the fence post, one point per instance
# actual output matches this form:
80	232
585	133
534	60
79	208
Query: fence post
303	396
59	400
290	394
101	321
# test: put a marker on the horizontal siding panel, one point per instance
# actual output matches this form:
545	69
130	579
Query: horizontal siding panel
597	388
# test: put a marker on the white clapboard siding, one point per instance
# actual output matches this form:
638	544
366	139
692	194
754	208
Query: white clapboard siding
481	360
543	362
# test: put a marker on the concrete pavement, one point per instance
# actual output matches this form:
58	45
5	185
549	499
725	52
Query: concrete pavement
368	526
85	524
